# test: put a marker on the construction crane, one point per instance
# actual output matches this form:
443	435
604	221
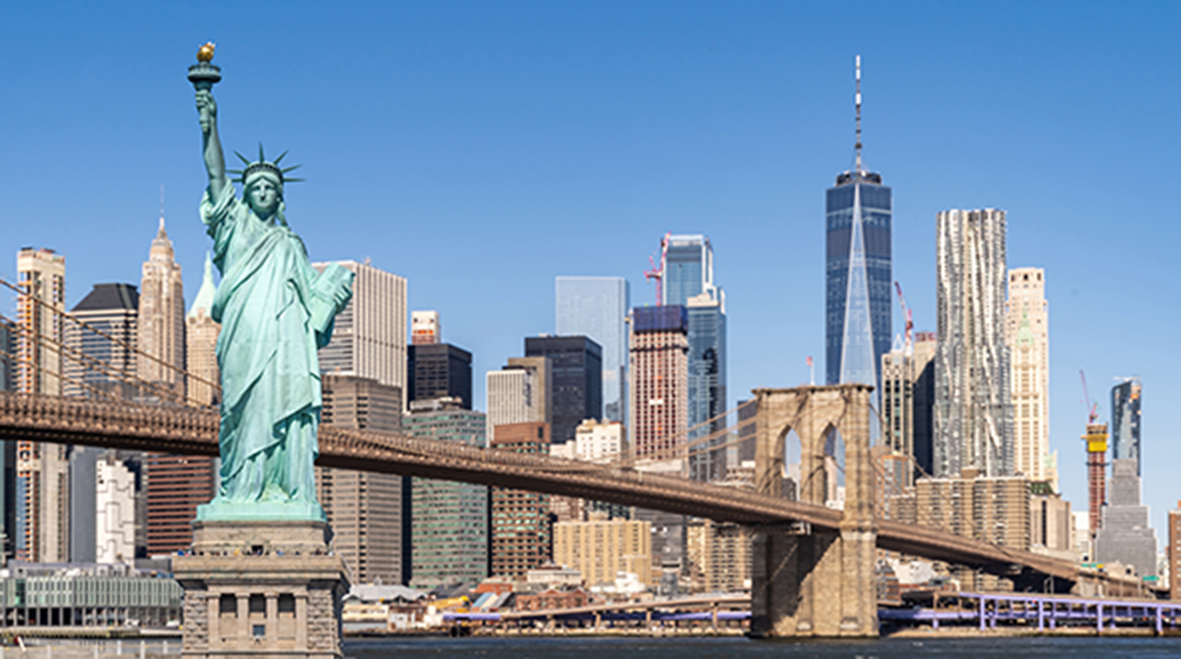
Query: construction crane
658	274
1092	407
909	345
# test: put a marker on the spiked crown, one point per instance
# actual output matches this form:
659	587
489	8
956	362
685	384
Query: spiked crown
263	167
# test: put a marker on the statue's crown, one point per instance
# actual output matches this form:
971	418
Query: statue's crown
264	167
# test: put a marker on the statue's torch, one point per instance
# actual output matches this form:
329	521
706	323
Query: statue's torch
204	74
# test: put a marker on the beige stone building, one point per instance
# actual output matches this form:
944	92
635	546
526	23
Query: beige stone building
162	316
720	554
1051	524
600	549
1027	333
598	441
201	343
519	393
995	510
42	469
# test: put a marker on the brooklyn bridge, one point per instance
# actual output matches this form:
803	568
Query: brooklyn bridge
813	565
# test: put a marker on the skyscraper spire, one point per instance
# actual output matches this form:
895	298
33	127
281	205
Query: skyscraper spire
857	101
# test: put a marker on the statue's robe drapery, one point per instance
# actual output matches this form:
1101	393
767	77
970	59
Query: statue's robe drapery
266	351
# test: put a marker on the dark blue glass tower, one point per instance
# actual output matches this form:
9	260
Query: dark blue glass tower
857	272
1125	421
689	281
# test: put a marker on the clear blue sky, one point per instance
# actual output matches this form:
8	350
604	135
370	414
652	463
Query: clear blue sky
480	149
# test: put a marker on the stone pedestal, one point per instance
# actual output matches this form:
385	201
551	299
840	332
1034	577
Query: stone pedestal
261	590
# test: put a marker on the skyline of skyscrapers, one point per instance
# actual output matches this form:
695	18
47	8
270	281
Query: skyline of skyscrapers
859	218
973	405
596	307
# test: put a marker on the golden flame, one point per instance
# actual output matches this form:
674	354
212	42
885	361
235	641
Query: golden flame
205	54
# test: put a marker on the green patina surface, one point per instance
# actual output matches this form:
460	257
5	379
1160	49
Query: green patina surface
275	311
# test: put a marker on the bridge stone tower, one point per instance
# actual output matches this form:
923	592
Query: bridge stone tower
815	583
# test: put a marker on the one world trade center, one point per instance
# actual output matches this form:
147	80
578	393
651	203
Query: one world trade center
857	275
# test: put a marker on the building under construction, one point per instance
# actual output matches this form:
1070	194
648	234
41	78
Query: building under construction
1096	439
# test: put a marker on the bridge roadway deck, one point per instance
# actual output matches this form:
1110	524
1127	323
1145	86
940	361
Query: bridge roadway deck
183	430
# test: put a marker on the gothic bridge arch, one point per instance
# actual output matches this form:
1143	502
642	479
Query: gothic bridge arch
815	583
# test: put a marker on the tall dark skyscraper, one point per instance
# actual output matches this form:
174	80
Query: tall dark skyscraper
857	275
576	391
440	369
1125	421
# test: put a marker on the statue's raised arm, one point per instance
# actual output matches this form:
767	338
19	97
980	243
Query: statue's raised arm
215	160
275	311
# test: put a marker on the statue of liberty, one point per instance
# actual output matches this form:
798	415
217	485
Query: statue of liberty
275	311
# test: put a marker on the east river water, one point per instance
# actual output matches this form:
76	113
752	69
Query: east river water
711	648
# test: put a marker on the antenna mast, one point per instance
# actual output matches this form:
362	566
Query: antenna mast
857	100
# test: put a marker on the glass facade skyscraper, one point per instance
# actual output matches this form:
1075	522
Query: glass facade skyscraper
707	382
1125	421
688	268
596	307
688	281
858	213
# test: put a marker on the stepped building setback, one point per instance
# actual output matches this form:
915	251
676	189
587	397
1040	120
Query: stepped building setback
1125	535
162	316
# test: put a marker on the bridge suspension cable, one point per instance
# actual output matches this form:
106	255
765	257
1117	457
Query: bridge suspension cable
91	362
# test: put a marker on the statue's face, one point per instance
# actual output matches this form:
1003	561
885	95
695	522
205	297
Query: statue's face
263	197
